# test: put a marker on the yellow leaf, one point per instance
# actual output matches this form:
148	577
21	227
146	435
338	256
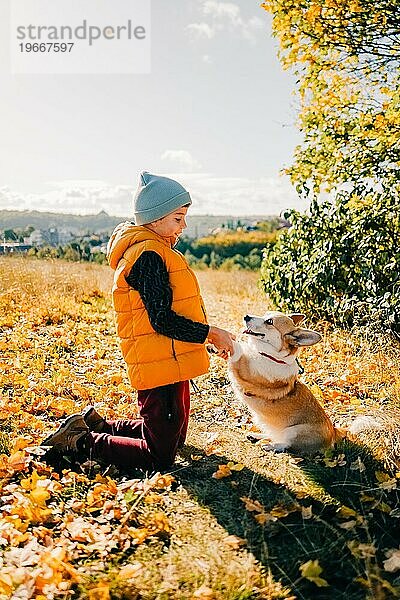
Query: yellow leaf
366	498
264	517
385	481
160	522
233	541
223	471
18	461
163	482
280	511
196	456
381	476
39	496
311	571
360	550
139	534
306	512
80	391
130	571
235	467
252	505
101	592
203	593
21	443
6	584
383	507
346	511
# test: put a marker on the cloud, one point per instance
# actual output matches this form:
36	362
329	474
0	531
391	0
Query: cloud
225	16
181	159
201	30
75	197
236	196
240	195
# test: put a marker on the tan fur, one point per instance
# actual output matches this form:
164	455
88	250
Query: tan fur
284	408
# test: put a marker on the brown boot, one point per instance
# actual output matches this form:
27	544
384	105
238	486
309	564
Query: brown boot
68	434
93	420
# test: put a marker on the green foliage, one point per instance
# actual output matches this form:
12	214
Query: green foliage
340	262
9	235
72	252
230	243
47	252
230	250
99	258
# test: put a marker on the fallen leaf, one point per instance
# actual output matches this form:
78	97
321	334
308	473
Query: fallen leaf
357	465
306	512
235	466
100	592
345	512
130	571
392	563
312	571
360	550
348	525
196	456
233	541
204	593
252	505
385	481
223	471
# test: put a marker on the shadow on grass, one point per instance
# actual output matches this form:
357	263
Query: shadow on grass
348	543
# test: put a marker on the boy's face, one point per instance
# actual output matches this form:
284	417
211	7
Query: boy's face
172	225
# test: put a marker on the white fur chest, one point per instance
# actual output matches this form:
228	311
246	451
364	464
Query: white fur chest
263	366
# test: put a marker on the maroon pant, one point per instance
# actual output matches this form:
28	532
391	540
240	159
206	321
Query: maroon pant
150	442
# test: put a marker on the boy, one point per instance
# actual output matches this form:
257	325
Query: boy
162	326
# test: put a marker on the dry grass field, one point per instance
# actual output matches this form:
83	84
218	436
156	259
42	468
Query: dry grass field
230	522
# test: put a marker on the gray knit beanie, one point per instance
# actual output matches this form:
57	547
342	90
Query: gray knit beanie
157	197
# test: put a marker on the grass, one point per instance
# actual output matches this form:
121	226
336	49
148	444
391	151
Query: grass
243	536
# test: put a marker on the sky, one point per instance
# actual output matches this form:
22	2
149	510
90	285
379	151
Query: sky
216	112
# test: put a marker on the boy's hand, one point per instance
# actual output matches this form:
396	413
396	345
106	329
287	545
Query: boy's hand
222	340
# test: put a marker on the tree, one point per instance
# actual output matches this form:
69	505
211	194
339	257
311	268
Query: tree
338	262
10	235
346	55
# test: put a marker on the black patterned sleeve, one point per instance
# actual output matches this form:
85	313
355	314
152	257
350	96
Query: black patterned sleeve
149	276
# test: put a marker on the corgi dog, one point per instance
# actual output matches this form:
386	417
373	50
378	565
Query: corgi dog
264	370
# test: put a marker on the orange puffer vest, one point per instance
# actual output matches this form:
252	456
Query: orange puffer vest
154	359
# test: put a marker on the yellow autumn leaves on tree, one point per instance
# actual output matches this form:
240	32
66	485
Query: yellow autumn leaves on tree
346	57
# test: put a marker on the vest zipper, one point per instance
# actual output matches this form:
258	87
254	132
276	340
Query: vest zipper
173	348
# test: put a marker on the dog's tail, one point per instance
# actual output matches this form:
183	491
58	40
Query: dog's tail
364	422
359	425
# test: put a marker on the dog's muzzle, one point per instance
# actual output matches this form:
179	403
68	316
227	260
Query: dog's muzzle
249	332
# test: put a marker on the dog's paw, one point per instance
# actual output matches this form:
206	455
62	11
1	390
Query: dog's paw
237	352
258	438
274	448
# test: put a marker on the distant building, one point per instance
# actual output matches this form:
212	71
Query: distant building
49	237
13	247
64	237
35	239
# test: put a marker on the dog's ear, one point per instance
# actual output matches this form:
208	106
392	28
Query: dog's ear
297	317
303	337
